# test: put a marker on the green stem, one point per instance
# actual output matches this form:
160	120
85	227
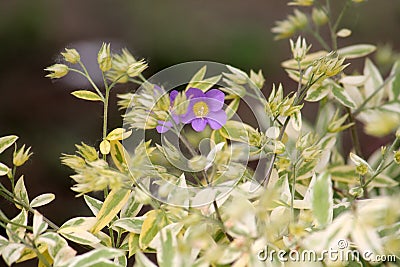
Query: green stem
86	74
230	238
293	192
12	178
320	40
13	199
381	167
354	135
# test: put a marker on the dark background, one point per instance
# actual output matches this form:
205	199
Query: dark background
44	114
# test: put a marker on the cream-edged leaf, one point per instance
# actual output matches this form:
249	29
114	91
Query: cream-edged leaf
7	141
356	51
87	95
42	200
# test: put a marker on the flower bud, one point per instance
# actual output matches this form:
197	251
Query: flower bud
104	57
397	156
87	152
362	169
71	56
21	156
257	78
398	133
300	49
136	68
356	191
319	16
57	71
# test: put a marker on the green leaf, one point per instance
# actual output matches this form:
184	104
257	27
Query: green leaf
317	92
343	173
131	208
356	51
87	95
54	242
197	77
166	256
133	225
82	237
341	95
93	204
119	155
206	84
20	192
236	131
7	141
383	181
142	261
232	107
3	169
39	226
14	232
133	244
77	224
111	206
395	92
96	257
322	199
373	82
42	200
12	252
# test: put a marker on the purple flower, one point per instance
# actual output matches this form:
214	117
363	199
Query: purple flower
205	108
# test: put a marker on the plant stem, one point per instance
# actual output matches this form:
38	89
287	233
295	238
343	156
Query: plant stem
230	238
293	192
381	166
86	74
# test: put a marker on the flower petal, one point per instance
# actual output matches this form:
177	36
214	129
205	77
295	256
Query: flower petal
199	124
217	119
194	93
215	99
173	95
163	126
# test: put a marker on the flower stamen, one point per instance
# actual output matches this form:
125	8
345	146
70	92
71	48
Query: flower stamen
200	109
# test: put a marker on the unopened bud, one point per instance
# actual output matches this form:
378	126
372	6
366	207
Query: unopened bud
136	68
21	156
71	56
57	71
104	57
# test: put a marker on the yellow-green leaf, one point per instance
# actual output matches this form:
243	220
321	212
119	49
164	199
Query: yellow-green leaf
87	95
119	155
105	147
111	206
322	199
232	107
118	134
153	222
197	77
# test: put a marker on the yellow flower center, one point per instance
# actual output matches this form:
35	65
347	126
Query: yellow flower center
200	109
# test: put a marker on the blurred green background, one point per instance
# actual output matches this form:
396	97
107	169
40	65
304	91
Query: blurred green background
44	114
